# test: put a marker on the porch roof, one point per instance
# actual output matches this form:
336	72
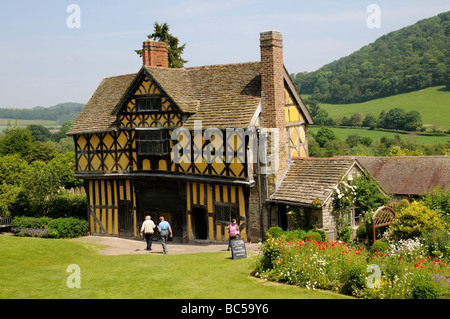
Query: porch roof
308	179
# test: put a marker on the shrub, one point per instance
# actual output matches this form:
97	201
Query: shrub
23	222
361	231
345	233
424	289
274	232
48	227
67	205
354	280
67	228
437	243
414	220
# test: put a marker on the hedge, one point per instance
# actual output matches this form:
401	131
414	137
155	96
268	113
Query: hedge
48	227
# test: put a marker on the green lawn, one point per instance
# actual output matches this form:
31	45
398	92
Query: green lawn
35	268
432	103
342	133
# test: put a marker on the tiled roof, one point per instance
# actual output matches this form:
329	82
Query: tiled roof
220	95
96	115
408	175
311	178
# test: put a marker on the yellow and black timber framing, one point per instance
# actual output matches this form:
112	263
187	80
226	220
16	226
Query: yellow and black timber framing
134	162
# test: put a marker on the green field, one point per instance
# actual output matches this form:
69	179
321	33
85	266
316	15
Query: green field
47	123
342	134
432	103
36	268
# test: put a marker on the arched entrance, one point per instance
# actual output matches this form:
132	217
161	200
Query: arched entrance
382	217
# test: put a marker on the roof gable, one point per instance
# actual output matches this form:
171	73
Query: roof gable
297	98
96	115
143	84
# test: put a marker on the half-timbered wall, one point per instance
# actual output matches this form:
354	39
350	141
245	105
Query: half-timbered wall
111	207
296	126
222	154
119	150
109	151
168	116
212	198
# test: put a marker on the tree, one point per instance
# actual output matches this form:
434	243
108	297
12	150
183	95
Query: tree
8	197
313	106
369	121
322	118
56	137
413	121
161	33
353	139
64	167
381	118
40	151
12	167
323	135
40	133
41	185
356	119
395	119
16	140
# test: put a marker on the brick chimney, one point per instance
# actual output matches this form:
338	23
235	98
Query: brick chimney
155	53
272	79
273	113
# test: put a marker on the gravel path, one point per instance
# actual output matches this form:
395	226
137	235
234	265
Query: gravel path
121	246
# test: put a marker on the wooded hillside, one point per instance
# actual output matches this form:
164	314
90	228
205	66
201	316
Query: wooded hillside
409	59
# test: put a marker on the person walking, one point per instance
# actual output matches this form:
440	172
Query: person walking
147	230
233	231
164	231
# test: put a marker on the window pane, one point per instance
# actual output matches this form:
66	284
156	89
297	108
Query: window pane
149	104
227	214
152	142
219	212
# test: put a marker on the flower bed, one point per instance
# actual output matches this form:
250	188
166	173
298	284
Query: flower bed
395	270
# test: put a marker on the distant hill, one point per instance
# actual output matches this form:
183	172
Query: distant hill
432	103
409	59
60	113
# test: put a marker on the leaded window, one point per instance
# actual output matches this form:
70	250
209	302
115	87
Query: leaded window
148	103
225	212
152	142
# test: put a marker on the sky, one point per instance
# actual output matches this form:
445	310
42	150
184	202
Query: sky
51	53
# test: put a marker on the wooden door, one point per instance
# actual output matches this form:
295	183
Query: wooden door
125	218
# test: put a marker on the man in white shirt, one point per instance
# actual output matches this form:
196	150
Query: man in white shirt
147	229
